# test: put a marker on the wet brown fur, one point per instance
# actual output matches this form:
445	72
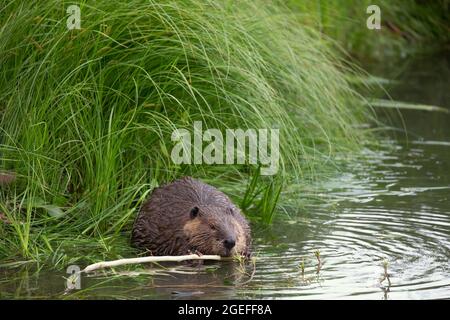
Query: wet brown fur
166	225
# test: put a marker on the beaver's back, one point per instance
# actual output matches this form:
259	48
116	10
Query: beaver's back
188	191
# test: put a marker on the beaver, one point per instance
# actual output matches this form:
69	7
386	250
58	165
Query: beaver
189	216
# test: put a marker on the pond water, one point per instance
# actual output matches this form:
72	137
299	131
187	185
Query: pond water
394	211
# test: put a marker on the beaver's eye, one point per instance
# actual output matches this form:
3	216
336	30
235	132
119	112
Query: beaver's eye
212	227
194	212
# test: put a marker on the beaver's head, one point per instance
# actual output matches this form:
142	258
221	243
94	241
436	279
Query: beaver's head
216	230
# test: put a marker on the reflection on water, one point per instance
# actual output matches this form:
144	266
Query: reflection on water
394	207
397	209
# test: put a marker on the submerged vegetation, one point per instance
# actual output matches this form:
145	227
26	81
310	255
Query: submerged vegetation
86	115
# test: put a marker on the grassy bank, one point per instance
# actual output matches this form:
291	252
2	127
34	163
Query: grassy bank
87	115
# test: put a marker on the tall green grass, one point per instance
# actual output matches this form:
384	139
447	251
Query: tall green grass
407	26
87	115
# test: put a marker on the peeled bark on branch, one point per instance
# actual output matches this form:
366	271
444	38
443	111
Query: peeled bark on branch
120	262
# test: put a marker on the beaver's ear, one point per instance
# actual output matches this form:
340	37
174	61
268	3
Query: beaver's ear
230	210
194	212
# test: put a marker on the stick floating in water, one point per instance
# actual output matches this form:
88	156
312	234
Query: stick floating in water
120	262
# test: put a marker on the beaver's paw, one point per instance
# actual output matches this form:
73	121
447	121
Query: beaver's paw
195	251
247	254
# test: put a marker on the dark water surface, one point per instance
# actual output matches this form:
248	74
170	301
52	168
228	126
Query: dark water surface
394	208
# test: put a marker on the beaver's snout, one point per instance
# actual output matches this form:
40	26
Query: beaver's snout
229	243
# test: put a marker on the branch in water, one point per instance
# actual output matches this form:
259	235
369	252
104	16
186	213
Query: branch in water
115	263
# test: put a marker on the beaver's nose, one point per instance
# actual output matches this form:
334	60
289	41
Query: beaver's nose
229	243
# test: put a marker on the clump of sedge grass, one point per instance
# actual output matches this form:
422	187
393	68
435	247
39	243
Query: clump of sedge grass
87	115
